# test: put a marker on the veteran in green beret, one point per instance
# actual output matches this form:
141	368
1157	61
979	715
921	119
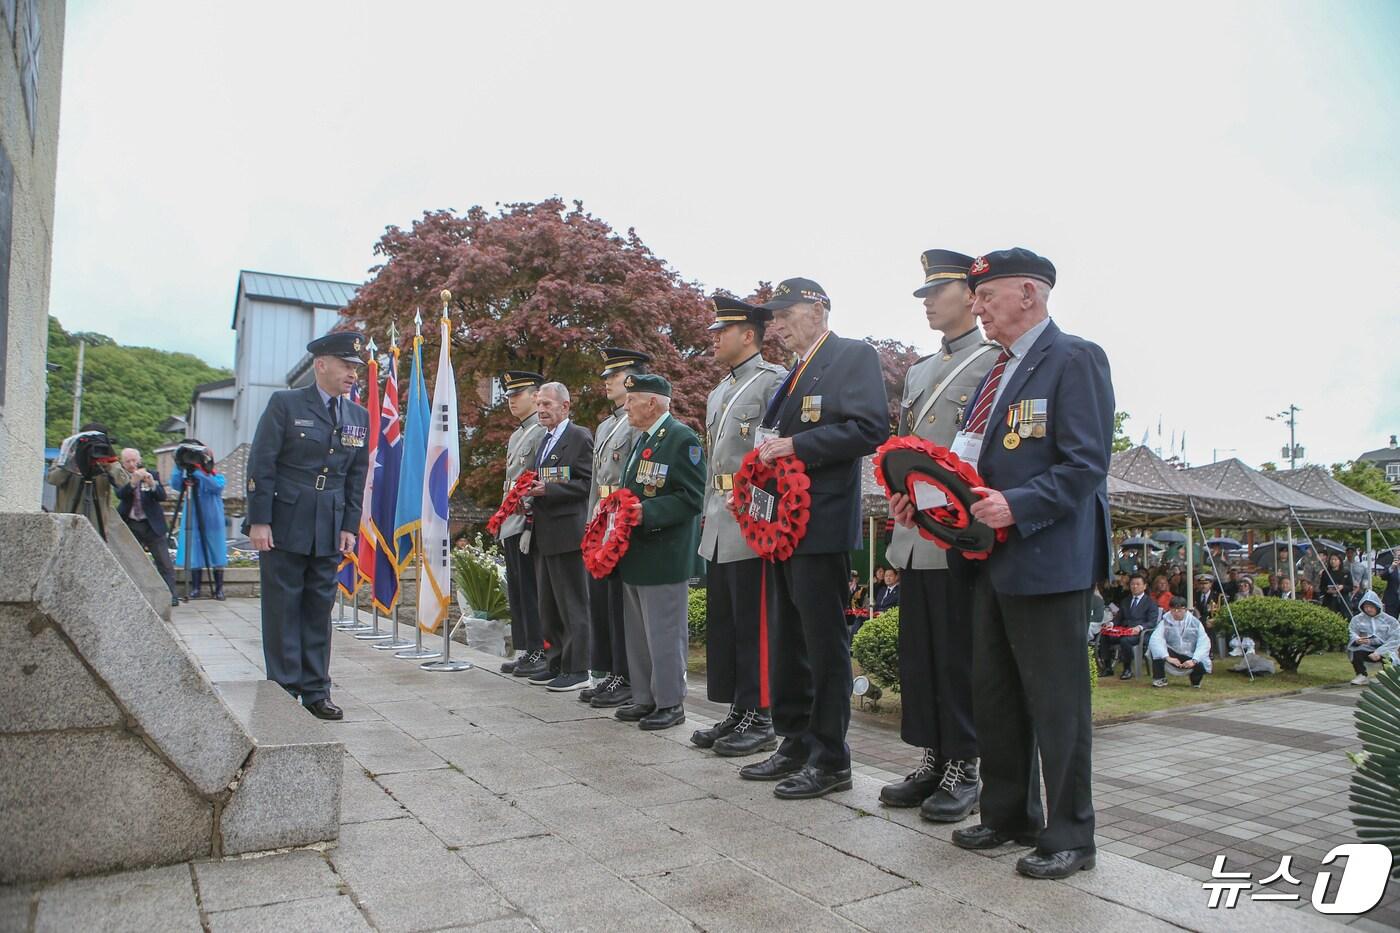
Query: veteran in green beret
666	471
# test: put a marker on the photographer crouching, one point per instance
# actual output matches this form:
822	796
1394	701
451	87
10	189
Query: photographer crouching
139	505
85	472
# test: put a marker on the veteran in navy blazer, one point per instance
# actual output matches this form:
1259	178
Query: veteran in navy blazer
1040	429
306	479
830	411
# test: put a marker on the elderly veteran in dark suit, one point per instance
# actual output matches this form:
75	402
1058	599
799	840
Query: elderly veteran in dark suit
830	411
612	445
558	510
666	471
306	477
734	574
520	386
1040	431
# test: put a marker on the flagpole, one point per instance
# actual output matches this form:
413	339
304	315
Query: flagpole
373	633
446	665
417	652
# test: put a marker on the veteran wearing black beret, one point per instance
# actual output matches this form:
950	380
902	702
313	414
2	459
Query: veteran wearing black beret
306	477
829	412
1040	431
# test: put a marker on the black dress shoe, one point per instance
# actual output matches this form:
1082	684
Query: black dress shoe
619	694
530	665
813	782
508	667
325	709
984	837
752	735
1055	865
705	738
636	712
917	786
957	794
588	693
663	718
773	768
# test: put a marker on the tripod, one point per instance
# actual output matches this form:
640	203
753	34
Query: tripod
85	503
185	487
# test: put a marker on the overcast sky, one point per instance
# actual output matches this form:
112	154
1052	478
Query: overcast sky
1217	183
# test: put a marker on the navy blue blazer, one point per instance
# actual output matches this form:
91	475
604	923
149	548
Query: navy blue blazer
853	421
1056	485
150	500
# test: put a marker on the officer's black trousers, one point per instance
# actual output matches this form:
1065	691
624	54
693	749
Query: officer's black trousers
564	609
732	632
1040	698
809	658
609	639
935	662
297	594
155	545
525	632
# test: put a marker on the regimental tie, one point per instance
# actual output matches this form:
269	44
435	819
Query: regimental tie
977	424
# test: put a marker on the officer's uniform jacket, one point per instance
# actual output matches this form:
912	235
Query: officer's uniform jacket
521	450
667	472
732	417
306	479
938	423
836	413
612	445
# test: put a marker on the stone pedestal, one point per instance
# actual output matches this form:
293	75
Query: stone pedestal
115	750
137	564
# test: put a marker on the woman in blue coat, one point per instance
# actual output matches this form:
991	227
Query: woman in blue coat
204	510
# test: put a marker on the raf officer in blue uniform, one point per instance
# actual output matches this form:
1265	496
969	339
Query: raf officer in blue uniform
306	475
1040	430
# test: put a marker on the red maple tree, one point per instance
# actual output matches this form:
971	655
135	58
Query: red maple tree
539	286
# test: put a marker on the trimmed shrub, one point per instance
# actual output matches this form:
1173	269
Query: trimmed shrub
695	613
876	649
1290	630
1093	670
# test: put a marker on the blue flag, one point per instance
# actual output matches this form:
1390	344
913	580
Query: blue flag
408	514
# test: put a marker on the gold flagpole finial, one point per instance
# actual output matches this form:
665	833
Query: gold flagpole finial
446	301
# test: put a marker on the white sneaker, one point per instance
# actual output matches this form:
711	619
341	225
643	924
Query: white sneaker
1159	683
1360	680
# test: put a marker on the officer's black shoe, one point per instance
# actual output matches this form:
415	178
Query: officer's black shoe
1127	674
1055	865
532	663
325	709
773	768
635	712
705	738
918	786
599	685
984	837
956	796
752	735
508	667
813	782
663	718
619	694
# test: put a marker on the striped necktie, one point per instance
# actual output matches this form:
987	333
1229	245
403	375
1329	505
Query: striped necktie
977	424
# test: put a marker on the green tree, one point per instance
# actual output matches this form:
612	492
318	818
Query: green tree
1121	441
129	389
1367	479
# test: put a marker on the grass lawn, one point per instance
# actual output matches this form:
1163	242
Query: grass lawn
1115	699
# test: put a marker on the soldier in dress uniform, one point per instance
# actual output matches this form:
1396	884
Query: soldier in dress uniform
935	595
666	471
735	574
306	476
612	445
829	412
520	387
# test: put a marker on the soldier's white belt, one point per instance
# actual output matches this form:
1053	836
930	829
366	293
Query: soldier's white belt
724	482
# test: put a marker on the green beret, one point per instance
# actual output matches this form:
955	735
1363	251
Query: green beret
648	382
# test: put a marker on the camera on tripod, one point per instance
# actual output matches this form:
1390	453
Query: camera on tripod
192	455
92	453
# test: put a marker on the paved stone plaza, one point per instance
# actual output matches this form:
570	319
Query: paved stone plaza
472	800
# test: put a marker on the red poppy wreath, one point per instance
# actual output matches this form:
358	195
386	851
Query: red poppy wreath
511	503
903	462
778	537
602	551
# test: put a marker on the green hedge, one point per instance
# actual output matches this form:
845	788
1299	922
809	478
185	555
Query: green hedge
1288	629
695	613
876	649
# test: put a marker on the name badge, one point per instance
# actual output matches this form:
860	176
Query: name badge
764	434
303	423
968	447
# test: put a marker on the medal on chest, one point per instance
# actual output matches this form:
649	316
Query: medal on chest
811	408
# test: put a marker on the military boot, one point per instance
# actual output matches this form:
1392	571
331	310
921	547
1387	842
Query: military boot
956	796
918	786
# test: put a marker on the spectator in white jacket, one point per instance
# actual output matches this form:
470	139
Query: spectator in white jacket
1375	636
1179	641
